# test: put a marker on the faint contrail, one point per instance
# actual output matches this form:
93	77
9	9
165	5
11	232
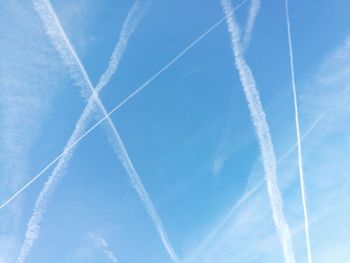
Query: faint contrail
248	30
194	255
102	243
300	158
133	18
138	90
262	131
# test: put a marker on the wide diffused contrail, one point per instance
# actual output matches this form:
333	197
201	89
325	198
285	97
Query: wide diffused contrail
262	131
248	30
297	127
33	228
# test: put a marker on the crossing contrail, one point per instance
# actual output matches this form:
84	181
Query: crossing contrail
133	18
246	196
248	30
299	148
262	131
117	107
77	70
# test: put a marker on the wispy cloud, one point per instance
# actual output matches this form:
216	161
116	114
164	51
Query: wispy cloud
101	243
70	58
262	130
26	62
299	147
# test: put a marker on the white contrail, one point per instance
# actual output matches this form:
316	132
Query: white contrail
297	127
133	18
248	30
262	131
138	90
246	196
71	59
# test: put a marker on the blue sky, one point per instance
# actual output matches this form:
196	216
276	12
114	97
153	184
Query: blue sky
199	177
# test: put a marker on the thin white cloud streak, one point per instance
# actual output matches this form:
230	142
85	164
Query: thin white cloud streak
299	146
252	15
102	243
67	52
117	107
262	130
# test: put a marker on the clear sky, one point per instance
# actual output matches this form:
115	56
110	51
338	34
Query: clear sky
185	181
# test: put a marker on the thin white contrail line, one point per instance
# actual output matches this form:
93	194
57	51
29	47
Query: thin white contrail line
33	228
253	13
300	158
262	130
143	86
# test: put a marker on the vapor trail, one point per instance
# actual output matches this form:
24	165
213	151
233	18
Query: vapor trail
71	59
139	89
262	131
133	18
248	30
297	127
102	243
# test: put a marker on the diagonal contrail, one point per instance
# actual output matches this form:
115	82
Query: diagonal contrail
129	26
70	58
262	131
248	30
138	90
196	253
299	148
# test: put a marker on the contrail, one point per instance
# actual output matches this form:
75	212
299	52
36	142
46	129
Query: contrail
102	243
300	158
246	196
253	13
138	90
262	131
133	18
70	57
217	228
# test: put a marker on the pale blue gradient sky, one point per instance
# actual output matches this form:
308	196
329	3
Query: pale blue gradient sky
191	120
